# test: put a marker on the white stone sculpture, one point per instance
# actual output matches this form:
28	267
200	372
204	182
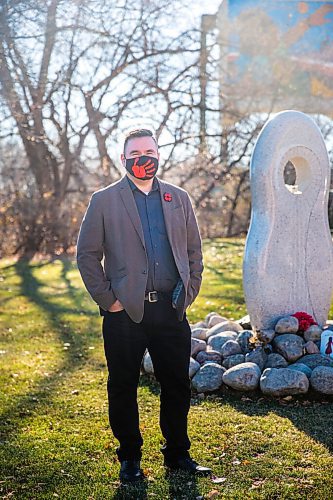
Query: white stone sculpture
288	260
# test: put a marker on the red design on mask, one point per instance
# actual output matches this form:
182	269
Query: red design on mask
167	197
147	169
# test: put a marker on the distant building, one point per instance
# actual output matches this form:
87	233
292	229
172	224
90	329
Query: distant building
276	54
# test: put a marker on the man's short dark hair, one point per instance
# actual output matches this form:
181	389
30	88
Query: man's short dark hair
139	132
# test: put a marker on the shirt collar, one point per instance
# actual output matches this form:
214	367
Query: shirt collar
155	186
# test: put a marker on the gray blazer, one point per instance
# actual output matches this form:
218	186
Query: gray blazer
111	228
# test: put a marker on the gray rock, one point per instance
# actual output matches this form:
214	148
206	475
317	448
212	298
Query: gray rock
230	347
215	319
215	330
322	379
199	333
243	377
235	359
283	382
225	326
275	360
314	360
245	322
209	355
232	326
213	363
288	324
311	347
266	335
208	378
197	345
199	324
193	368
289	345
244	340
301	368
210	315
257	356
217	341
148	364
312	333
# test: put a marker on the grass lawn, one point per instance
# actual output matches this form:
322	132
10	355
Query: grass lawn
55	436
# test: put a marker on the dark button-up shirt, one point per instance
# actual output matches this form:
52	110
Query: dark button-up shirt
162	270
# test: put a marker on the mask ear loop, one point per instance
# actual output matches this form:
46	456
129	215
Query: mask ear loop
124	161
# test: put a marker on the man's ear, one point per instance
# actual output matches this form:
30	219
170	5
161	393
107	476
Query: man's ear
122	157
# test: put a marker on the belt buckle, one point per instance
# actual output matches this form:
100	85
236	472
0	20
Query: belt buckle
152	297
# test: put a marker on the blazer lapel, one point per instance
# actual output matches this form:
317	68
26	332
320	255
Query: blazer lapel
130	205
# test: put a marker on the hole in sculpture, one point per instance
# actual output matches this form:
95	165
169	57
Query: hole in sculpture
289	174
296	175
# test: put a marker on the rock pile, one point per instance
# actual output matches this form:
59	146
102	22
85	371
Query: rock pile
281	362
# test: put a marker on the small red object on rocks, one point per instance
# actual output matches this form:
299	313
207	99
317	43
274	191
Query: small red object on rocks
305	320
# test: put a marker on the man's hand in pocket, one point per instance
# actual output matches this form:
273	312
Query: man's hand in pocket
116	306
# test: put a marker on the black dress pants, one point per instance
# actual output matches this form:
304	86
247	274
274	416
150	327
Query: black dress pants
168	341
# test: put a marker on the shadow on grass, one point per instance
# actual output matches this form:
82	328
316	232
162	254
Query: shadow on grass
131	491
151	383
30	287
40	397
223	275
311	413
180	486
75	294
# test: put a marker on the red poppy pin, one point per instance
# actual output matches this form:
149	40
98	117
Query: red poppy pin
167	197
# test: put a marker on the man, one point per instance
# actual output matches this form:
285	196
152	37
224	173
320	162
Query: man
146	230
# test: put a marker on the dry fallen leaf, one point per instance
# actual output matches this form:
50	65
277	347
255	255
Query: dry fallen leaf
212	493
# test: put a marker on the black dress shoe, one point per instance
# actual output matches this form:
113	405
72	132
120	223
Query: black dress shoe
130	471
188	465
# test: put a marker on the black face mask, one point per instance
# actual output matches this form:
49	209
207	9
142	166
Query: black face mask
142	167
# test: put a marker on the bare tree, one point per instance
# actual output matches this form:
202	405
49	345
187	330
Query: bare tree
72	74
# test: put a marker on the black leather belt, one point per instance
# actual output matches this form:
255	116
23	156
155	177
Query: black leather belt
156	296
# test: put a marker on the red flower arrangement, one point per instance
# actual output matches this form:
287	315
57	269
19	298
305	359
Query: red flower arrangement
167	197
305	320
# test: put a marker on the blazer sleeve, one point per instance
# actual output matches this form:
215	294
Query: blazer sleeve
89	254
194	250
